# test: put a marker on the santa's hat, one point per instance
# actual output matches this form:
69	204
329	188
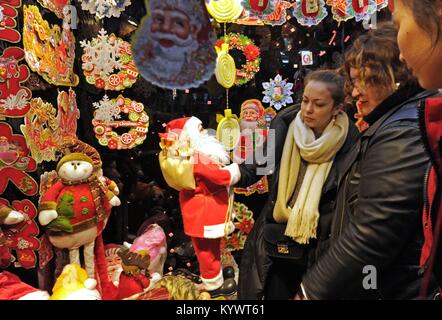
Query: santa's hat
12	288
181	129
253	104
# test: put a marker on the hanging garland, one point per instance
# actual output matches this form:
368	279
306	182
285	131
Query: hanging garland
243	221
251	52
104	123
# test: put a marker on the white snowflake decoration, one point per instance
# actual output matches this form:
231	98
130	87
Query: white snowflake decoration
106	110
101	54
105	8
277	92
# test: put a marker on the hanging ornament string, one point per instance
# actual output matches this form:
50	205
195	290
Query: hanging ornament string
227	89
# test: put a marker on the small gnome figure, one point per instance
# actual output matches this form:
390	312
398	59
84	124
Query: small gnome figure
76	208
135	277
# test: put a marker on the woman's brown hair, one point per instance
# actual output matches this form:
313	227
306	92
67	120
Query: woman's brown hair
333	80
375	55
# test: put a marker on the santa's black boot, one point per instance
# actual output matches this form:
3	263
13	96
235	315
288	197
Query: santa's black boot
227	289
228	272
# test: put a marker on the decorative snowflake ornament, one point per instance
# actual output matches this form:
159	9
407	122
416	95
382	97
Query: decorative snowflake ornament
106	110
103	57
105	8
277	92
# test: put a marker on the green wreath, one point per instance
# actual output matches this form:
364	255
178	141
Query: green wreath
251	52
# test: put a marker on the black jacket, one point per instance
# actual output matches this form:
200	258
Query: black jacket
254	261
377	222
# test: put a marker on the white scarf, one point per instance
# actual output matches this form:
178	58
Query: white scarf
302	219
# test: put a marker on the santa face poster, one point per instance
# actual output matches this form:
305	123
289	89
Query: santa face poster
174	46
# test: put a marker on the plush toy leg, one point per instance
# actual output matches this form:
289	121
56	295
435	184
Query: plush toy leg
74	256
108	290
89	259
209	258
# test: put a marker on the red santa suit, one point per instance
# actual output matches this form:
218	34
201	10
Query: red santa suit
206	202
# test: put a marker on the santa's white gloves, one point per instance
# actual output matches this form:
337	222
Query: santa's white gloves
14	217
235	174
46	216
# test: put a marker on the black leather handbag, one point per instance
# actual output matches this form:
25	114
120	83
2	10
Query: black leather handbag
282	247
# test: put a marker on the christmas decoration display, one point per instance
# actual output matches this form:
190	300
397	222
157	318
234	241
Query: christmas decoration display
46	130
15	162
362	9
277	92
360	123
228	130
142	262
275	18
39	128
49	51
173	62
310	12
269	115
381	4
8	13
75	209
259	8
113	261
55	6
243	221
14	97
103	56
104	122
251	52
105	8
253	134
341	9
135	278
225	67
74	284
68	114
306	58
224	10
20	237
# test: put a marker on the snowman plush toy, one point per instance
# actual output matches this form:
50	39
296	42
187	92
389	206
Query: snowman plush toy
76	208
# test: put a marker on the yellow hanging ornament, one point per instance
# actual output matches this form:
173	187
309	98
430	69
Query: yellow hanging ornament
228	131
225	67
224	10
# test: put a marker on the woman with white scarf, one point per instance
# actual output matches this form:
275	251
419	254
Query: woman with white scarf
308	143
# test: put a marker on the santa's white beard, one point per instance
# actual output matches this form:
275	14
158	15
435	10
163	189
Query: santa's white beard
251	125
212	148
167	62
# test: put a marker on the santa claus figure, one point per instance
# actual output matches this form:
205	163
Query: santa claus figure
253	129
195	164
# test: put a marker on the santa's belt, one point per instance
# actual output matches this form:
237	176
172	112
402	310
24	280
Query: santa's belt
84	225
